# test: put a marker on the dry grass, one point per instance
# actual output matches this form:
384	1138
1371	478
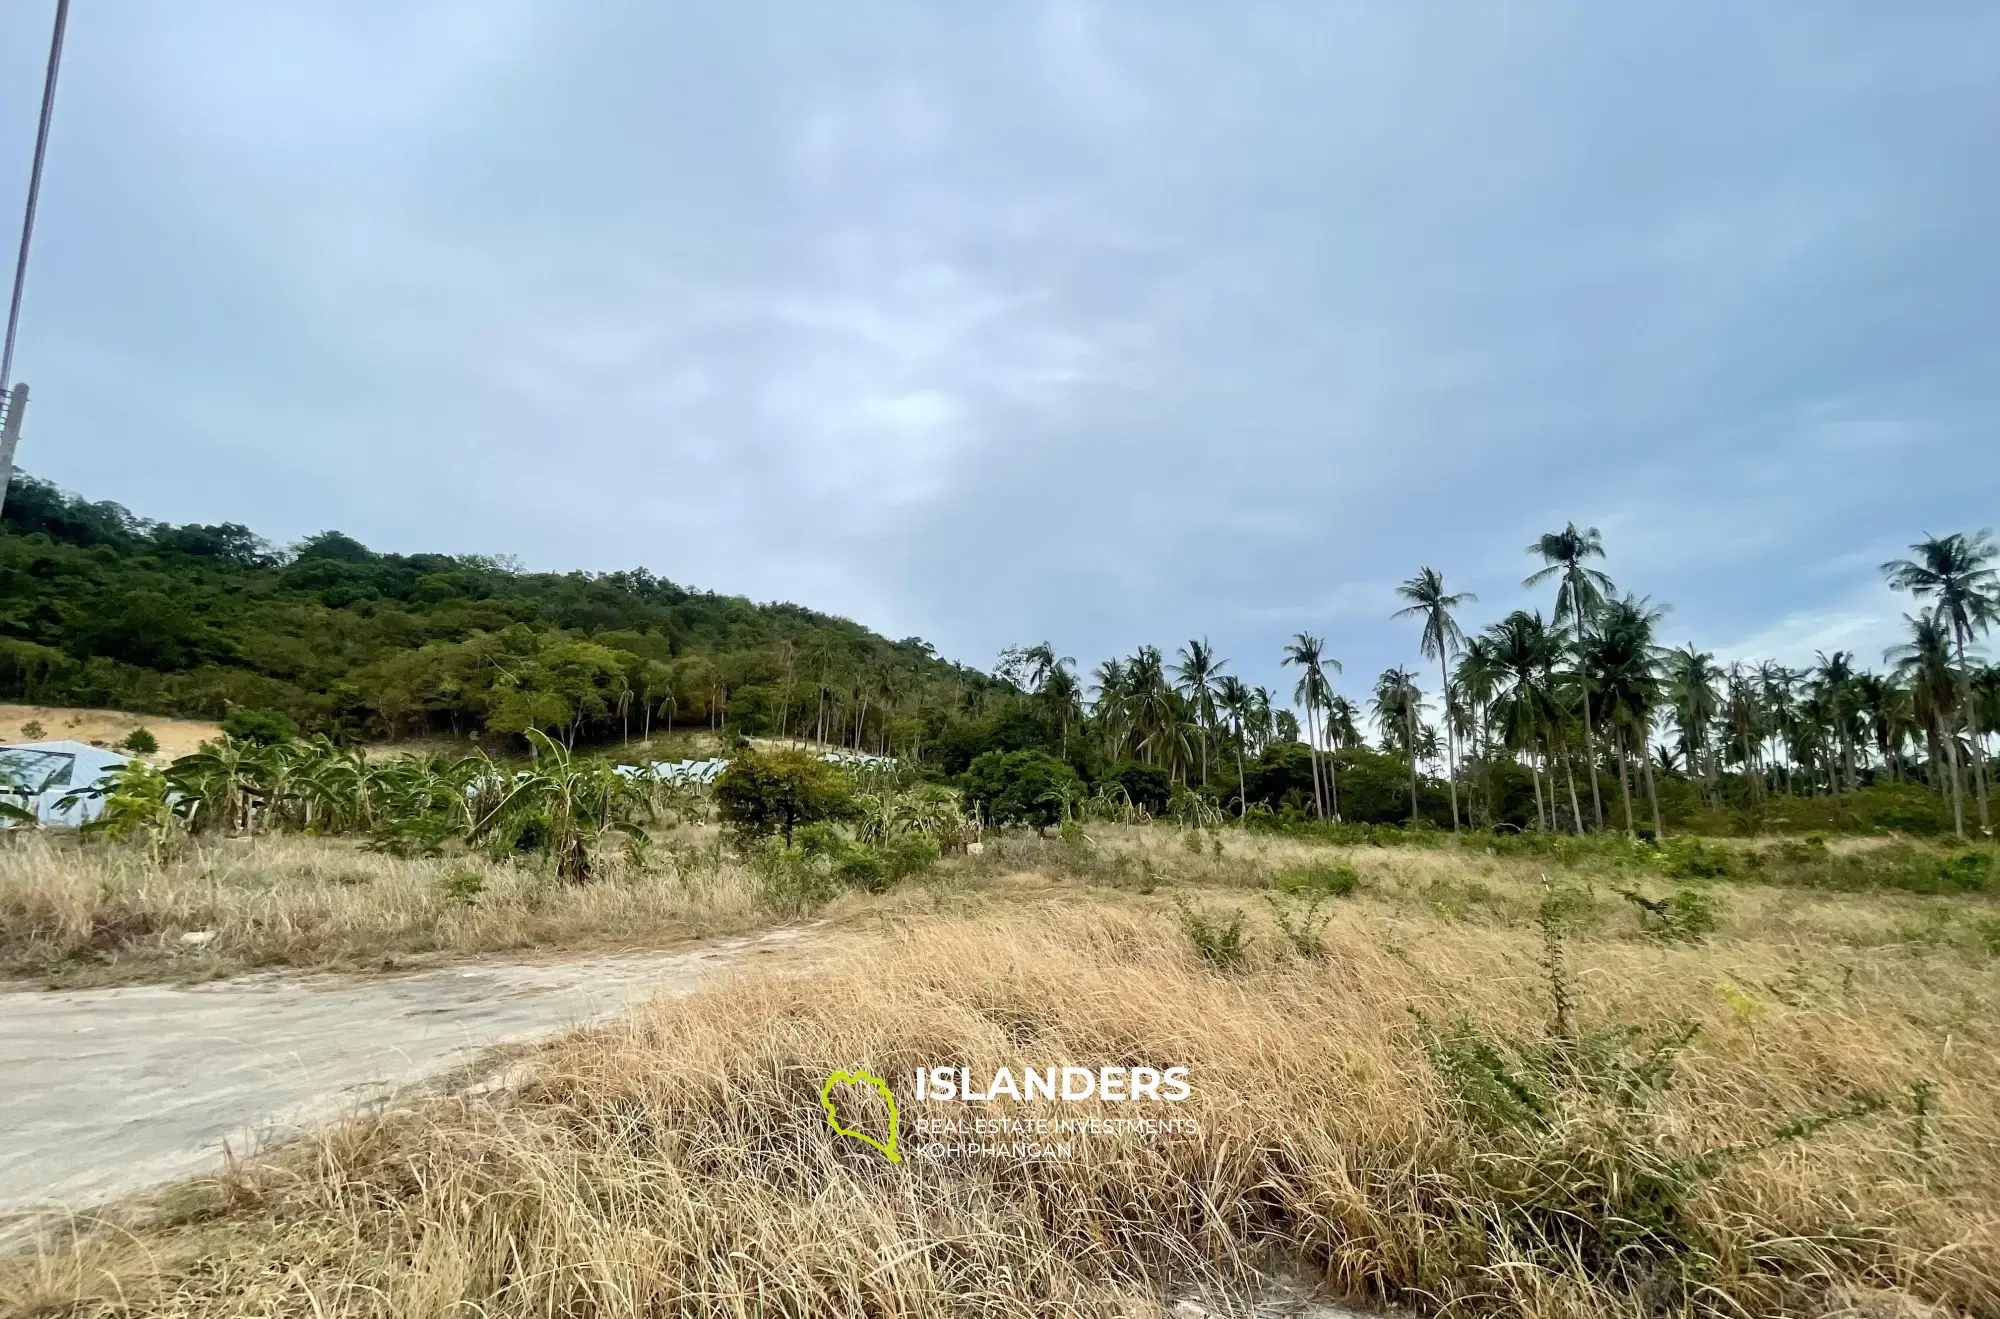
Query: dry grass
678	1164
75	913
177	737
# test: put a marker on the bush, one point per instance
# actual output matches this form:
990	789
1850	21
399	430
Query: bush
765	793
911	854
462	886
1221	942
1690	858
1688	915
792	882
1327	878
1021	787
264	727
141	742
862	867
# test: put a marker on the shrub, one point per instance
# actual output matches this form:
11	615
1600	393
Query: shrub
911	854
1690	858
1570	1149
1221	942
762	793
264	727
1688	915
33	731
1326	878
1021	787
792	882
1302	930
462	886
862	867
141	742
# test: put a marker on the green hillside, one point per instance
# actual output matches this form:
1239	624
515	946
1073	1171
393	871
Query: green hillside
99	607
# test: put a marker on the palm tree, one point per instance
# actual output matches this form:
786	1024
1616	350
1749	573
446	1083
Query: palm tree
1580	590
1625	667
1339	725
1835	676
1308	653
1924	665
1958	571
1526	708
1396	702
1236	701
1691	681
1195	673
1474	683
1441	638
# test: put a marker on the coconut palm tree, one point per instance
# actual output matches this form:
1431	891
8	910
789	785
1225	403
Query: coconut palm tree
1308	654
1526	708
1474	683
1195	672
1691	682
1835	676
1236	700
1625	668
1580	589
1957	571
1440	640
1924	665
1396	702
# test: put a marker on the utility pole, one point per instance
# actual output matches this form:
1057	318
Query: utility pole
15	400
13	406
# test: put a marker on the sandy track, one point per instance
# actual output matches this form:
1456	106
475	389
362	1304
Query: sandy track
108	1091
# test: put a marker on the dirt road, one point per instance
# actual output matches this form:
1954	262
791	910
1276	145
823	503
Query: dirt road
108	1091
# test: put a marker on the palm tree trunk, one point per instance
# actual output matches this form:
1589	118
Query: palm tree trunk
1624	775
1971	733
1589	740
1535	773
1569	772
1653	797
1951	770
1242	784
1450	739
1312	750
1410	744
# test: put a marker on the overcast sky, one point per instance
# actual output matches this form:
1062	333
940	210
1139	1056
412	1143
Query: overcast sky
1099	323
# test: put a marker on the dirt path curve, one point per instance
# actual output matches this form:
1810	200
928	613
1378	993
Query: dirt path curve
108	1091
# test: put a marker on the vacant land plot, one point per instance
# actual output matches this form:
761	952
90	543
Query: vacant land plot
1438	1076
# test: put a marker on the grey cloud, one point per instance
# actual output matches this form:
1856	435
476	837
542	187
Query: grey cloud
1100	322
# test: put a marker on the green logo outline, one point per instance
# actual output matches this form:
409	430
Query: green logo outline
858	1077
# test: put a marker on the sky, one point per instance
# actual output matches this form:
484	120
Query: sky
1099	323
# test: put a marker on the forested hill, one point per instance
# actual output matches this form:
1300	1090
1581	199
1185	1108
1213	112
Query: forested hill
102	608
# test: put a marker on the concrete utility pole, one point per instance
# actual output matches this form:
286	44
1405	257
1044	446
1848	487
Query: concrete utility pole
15	400
13	406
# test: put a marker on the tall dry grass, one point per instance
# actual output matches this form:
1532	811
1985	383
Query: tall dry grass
75	913
678	1164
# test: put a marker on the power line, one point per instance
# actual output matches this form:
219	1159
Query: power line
34	190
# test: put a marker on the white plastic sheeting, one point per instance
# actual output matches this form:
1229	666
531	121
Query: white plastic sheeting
39	775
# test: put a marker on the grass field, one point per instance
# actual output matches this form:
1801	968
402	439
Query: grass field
1454	1084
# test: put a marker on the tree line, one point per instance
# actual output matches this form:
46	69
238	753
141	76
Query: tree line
1585	704
1576	719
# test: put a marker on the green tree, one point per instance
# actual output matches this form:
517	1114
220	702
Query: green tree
762	793
1440	640
1958	573
1308	654
1024	787
1195	674
1580	590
